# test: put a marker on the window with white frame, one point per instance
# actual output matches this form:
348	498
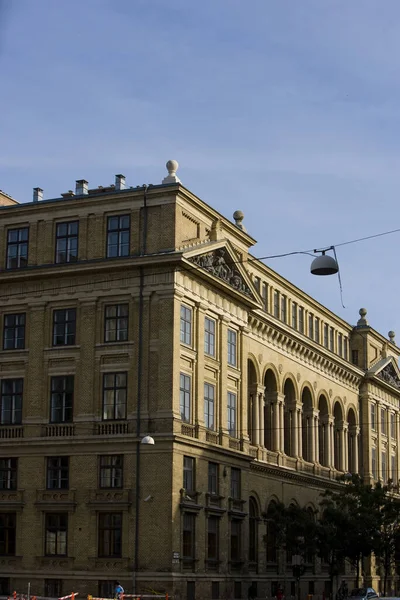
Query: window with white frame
186	324
373	416
232	347
209	394
392	426
294	315
209	336
185	389
276	304
232	414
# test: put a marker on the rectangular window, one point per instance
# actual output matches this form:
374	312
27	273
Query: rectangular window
383	421
393	473
346	348
384	467
276	304
14	332
8	473
106	589
354	357
235	539
214	591
110	534
373	416
232	347
209	336
64	327
373	462
340	344
111	471
186	325
188	474
235	483
17	248
212	538
331	339
209	391
316	329
114	396
11	401
232	414
62	399
294	315
392	426
116	323
67	242
326	335
56	534
301	319
311	326
212	478
57	473
188	536
283	309
8	527
265	296
118	236
52	588
184	400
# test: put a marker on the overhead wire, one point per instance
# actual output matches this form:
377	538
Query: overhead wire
186	267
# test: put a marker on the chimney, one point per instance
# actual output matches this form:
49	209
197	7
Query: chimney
81	187
37	194
120	182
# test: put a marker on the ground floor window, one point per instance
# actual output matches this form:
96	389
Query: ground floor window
52	588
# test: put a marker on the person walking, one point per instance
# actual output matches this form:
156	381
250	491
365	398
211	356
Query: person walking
118	591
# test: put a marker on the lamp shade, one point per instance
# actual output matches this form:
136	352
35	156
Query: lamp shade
147	440
324	265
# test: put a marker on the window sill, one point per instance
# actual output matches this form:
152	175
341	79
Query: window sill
16	350
63	347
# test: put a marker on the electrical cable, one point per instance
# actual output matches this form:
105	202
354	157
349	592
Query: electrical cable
185	267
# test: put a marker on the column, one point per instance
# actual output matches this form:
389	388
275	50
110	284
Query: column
255	437
311	436
198	367
331	441
316	435
346	447
294	431
355	433
299	429
260	397
341	445
281	425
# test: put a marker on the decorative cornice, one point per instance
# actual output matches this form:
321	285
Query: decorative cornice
287	343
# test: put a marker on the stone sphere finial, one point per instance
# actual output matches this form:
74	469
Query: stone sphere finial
172	167
391	335
238	215
362	321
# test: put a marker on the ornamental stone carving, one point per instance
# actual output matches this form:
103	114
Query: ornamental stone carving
221	265
389	375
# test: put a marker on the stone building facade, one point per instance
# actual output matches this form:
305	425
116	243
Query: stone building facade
128	312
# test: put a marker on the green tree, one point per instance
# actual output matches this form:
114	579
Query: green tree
354	512
389	538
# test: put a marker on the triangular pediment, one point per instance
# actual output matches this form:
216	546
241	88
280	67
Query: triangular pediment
388	371
222	262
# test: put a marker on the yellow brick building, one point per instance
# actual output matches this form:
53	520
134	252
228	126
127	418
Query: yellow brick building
128	312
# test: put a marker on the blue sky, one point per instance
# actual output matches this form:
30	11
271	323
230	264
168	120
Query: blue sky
286	109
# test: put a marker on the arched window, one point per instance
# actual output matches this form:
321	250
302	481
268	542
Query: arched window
253	531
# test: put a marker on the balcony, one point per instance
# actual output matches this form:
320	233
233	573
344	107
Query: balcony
212	437
112	428
189	430
60	430
12	432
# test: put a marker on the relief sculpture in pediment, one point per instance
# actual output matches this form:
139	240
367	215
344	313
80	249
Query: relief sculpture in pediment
220	264
389	375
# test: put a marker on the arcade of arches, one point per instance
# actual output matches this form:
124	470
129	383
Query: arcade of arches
300	424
